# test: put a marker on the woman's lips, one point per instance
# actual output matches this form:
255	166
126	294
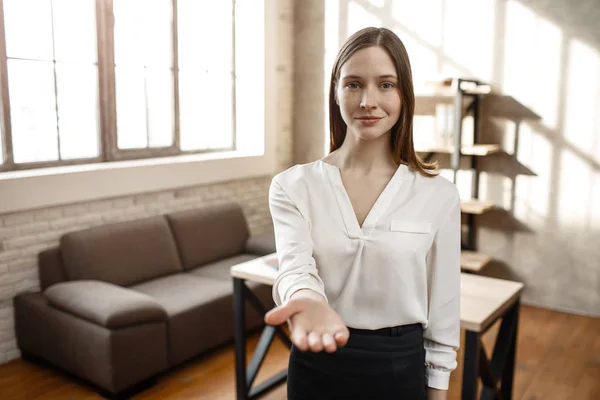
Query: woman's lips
369	121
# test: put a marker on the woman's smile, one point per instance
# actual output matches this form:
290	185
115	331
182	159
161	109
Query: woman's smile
369	121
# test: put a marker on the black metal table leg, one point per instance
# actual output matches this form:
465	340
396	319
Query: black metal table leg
497	374
508	371
244	377
239	339
471	365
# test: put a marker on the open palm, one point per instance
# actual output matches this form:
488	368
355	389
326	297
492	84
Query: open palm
314	325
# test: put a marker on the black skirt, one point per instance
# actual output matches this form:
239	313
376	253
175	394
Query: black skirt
374	365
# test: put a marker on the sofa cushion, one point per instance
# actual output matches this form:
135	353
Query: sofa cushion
179	293
105	304
220	269
208	234
123	253
200	312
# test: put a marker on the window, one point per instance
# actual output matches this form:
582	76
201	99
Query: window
85	81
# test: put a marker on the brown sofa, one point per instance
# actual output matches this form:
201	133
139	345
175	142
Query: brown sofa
122	302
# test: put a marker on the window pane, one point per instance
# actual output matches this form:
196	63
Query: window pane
131	107
28	26
160	107
77	110
206	111
205	31
143	32
32	110
205	45
75	30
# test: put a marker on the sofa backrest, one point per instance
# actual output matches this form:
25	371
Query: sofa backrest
208	234
122	253
51	269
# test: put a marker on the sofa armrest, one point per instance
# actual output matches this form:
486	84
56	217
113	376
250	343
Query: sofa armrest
105	304
262	244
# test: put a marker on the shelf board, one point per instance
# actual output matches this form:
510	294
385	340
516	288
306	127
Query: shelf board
473	261
425	103
494	104
474	206
472	150
502	105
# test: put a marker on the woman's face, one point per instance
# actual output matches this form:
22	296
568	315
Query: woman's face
367	93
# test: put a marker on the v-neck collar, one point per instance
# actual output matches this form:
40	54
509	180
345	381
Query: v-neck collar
355	231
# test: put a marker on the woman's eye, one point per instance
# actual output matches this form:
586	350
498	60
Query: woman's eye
387	85
352	86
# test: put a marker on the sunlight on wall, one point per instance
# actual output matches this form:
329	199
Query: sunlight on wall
421	32
468	37
535	151
496	188
582	104
359	17
422	18
575	193
595	195
423	61
377	3
532	61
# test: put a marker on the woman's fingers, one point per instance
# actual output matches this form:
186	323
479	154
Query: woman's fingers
328	342
314	342
299	338
341	337
313	325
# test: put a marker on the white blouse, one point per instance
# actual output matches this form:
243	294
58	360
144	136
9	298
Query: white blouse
401	267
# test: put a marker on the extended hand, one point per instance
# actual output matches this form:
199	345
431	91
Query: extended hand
313	324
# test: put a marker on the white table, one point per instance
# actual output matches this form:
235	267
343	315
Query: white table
483	302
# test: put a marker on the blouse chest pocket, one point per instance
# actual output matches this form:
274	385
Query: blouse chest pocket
417	227
409	238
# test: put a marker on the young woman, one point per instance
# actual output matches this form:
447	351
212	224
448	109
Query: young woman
368	241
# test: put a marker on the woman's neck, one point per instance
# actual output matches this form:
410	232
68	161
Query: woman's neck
364	156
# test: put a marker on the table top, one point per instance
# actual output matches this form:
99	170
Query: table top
482	299
256	270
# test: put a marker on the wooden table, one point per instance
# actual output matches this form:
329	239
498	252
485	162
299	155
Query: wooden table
483	301
254	270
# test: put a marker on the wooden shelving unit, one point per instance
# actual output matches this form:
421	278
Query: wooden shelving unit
466	97
472	150
475	207
473	261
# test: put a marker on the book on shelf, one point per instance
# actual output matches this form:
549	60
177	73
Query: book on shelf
272	262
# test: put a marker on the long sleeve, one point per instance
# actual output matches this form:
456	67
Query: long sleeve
297	269
442	335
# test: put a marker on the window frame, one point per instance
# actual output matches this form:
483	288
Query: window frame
108	135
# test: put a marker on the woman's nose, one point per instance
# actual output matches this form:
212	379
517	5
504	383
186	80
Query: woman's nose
368	100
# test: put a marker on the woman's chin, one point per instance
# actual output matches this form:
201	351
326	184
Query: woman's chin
370	135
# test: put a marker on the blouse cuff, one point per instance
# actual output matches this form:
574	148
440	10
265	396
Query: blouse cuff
293	289
437	378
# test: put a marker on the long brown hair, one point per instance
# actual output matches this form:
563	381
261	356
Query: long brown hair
403	151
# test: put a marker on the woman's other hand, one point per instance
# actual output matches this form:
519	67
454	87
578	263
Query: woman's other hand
313	324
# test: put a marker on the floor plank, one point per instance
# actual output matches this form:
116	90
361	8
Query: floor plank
558	357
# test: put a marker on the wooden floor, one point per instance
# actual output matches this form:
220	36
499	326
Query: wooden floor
558	357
